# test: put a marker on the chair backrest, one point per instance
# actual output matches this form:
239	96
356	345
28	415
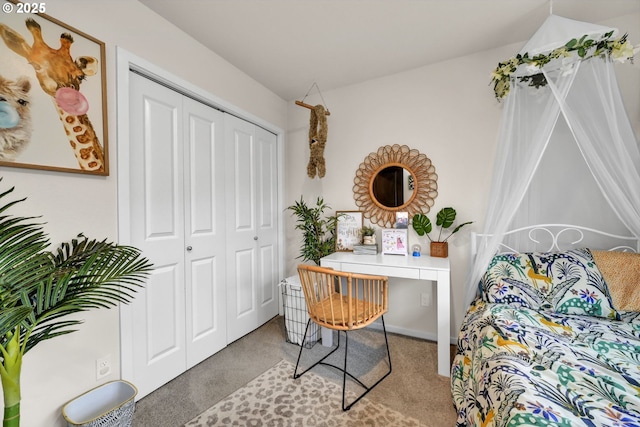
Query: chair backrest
341	300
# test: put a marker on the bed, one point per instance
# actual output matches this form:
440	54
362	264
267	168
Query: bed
553	338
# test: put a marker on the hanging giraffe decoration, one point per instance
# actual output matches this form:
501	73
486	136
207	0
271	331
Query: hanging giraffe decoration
318	130
317	140
60	78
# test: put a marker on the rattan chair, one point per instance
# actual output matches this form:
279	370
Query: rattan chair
343	302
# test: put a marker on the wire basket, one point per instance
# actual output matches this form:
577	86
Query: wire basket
296	315
109	405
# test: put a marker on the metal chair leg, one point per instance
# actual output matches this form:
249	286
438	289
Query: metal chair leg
344	370
295	372
345	373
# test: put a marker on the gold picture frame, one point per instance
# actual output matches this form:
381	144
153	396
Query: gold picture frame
348	230
53	81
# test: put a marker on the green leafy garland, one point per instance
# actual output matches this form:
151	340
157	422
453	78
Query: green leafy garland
619	49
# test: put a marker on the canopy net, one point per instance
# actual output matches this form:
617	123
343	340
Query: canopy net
566	149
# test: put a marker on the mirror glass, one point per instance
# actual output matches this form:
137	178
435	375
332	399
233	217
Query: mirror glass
392	187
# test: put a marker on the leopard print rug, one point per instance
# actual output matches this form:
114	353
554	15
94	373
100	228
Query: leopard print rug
276	399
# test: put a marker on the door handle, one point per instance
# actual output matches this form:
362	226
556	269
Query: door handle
255	237
189	248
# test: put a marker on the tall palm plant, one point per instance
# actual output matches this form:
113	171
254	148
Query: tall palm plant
38	288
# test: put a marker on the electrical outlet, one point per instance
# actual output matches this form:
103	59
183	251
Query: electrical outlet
103	366
425	299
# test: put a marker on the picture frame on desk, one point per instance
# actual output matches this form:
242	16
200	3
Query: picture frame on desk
394	241
402	219
348	230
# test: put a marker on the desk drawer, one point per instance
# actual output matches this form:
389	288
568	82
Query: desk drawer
382	270
331	264
428	274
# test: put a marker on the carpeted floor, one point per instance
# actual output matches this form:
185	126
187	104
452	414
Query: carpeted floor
276	399
414	388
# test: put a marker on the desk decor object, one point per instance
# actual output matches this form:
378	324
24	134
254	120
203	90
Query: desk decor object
368	235
415	250
444	219
365	249
402	219
439	249
348	229
394	241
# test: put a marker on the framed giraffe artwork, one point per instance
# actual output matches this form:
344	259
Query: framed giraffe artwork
53	106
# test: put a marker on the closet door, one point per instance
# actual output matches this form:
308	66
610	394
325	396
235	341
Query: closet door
252	248
206	321
177	219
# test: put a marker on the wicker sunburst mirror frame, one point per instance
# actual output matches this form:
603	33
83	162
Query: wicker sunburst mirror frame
418	166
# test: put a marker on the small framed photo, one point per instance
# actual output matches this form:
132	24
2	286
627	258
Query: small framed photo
348	230
394	241
402	219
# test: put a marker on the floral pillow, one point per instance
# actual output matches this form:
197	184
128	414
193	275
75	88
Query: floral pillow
563	282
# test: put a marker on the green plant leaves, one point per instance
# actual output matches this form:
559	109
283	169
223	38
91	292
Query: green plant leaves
445	217
455	230
38	288
584	48
318	233
422	225
368	231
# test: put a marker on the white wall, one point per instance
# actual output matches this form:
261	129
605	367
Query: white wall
58	370
446	111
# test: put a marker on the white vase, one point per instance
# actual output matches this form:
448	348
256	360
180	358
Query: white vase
369	240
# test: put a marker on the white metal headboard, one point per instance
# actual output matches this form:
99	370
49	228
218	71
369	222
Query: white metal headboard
551	237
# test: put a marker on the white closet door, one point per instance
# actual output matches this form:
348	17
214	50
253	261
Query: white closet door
251	226
157	228
177	219
206	323
267	223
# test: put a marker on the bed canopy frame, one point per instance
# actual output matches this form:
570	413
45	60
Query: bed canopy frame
568	109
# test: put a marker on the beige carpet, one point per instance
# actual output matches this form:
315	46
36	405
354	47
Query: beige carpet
414	388
276	399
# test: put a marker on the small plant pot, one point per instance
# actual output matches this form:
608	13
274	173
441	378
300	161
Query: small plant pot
369	240
440	249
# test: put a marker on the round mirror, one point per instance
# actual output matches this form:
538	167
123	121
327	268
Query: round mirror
394	179
392	186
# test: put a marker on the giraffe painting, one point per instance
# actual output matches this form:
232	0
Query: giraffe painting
15	117
60	77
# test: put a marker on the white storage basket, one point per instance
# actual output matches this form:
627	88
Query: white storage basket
109	405
296	314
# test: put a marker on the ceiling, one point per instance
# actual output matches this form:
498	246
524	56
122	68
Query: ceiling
287	45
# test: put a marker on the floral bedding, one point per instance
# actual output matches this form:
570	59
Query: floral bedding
554	352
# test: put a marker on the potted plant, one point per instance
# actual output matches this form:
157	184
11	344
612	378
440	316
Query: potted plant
319	237
444	219
368	235
38	289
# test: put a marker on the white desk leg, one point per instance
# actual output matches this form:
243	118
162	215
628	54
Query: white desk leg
444	318
327	337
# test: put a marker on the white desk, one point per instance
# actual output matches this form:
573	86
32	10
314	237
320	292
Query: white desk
407	267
